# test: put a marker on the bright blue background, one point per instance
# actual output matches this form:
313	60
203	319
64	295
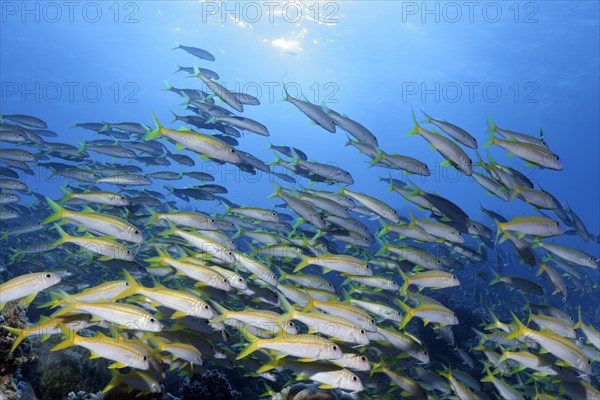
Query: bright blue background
369	56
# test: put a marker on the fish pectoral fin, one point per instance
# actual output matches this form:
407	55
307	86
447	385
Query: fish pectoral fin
27	300
178	314
307	359
179	147
445	163
94	355
105	258
324	386
117	365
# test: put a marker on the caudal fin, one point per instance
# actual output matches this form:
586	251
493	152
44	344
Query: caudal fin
303	264
156	132
18	339
59	212
69	338
415	129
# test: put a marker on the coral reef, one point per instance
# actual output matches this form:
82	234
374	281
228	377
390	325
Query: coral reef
210	385
301	391
14	316
81	395
58	373
123	392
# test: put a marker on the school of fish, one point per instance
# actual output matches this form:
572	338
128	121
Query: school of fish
329	284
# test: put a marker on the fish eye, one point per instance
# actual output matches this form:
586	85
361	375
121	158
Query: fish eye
329	284
206	307
438	261
273	277
354	378
372	321
453	276
232	150
363	358
144	358
224	279
454	314
230	253
126	284
362	331
291	324
212	221
128	252
557	224
334	348
425	352
240	280
367	266
274	214
152	320
395	212
48	275
557	158
588	361
136	232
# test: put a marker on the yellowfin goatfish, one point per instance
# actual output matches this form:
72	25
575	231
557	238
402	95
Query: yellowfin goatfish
337	262
97	222
203	144
107	248
26	287
555	344
124	353
182	302
306	347
124	315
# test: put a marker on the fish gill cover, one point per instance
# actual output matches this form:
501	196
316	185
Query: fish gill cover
380	199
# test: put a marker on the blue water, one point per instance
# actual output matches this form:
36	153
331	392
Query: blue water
528	65
358	58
